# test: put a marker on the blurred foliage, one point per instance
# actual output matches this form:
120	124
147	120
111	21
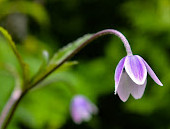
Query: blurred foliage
50	24
32	9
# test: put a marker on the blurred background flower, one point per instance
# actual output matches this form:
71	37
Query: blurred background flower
82	109
38	25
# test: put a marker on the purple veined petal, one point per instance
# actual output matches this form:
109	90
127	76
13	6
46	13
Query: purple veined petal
151	73
138	90
124	88
118	72
136	69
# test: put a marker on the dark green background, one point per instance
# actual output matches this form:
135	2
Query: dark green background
38	25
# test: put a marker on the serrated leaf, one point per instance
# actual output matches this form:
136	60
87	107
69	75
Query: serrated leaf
67	50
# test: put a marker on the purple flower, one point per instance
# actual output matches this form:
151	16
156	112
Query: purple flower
130	77
82	109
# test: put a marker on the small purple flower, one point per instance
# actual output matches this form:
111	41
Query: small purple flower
130	77
82	109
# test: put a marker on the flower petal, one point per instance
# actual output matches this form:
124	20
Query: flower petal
138	90
82	109
136	69
152	74
118	72
76	116
124	88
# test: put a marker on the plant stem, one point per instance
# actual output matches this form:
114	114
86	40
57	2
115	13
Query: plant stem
17	95
10	108
93	37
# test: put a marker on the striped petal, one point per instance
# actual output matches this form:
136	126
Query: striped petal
118	72
124	87
136	69
152	74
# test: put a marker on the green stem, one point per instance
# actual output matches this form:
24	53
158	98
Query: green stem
17	95
95	36
10	107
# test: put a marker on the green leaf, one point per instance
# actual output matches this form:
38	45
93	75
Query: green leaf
67	65
61	56
10	41
14	49
67	50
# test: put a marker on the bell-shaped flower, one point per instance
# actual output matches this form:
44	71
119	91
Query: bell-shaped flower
130	77
82	109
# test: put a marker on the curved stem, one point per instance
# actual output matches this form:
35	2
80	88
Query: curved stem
97	35
17	95
122	37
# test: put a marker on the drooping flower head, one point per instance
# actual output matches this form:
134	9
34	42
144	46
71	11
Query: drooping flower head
131	77
82	109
